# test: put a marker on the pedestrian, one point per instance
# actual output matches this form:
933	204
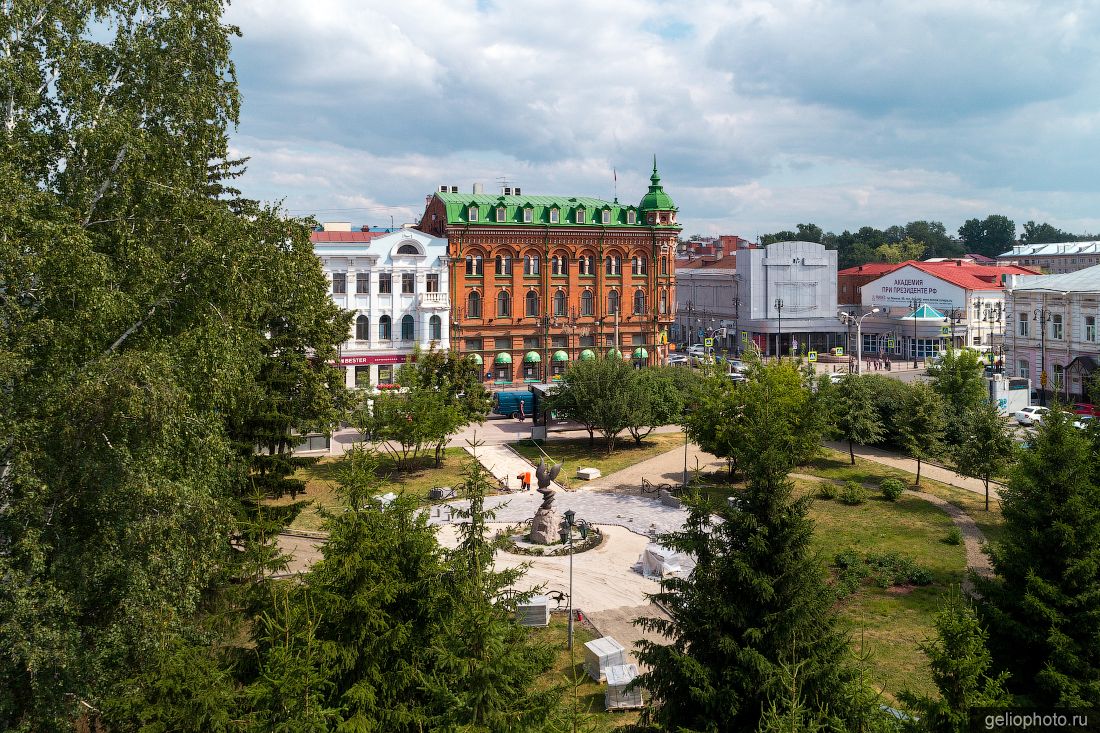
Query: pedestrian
521	415
525	481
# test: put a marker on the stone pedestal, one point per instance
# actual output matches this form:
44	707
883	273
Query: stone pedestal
544	527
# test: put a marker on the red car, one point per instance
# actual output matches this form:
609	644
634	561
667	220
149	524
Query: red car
1084	408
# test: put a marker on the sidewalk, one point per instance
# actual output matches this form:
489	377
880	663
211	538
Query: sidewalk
504	463
927	470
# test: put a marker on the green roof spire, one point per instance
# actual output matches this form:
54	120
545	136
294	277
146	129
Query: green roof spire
656	198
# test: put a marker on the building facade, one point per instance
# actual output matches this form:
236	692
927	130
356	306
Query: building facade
787	300
1054	257
1053	337
926	307
396	286
538	282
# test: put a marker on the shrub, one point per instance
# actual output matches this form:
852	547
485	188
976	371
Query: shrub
828	490
954	536
884	569
852	494
891	489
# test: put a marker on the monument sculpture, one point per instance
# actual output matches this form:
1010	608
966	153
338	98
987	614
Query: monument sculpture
544	525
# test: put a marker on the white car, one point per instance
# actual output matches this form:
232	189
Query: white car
1031	415
677	359
837	377
696	350
1083	421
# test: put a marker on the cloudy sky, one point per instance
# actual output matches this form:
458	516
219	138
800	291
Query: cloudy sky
761	114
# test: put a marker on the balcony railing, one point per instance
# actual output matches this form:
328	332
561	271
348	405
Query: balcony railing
434	300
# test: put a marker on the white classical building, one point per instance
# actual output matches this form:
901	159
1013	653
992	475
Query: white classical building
396	286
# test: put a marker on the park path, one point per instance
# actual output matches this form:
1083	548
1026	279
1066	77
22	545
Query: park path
927	470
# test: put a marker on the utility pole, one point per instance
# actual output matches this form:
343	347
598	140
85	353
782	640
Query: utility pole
916	304
1041	315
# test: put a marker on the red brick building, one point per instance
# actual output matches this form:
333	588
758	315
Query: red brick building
537	282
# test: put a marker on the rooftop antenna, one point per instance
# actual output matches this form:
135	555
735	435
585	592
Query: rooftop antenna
503	182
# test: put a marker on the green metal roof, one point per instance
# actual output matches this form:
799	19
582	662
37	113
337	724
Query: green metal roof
531	357
656	198
503	358
560	356
587	355
924	313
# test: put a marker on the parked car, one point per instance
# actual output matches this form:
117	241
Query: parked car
1083	421
837	376
678	359
1031	415
696	350
736	365
1084	408
737	377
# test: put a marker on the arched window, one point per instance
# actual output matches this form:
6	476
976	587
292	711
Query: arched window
532	303
473	265
435	328
638	265
639	302
559	303
384	332
559	265
473	305
408	249
504	304
664	265
588	303
531	265
612	265
504	264
362	328
613	302
407	328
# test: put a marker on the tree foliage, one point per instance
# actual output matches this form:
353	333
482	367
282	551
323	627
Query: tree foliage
855	418
991	236
962	670
922	428
157	328
756	605
986	446
959	379
1042	606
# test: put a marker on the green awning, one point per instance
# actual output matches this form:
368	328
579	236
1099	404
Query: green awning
503	358
532	357
640	353
560	356
477	359
587	355
614	354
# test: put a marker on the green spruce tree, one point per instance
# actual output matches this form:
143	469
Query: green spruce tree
757	601
1042	608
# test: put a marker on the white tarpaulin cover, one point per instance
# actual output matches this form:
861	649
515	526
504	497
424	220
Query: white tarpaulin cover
657	561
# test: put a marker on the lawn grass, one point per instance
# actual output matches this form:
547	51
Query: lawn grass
837	465
574	453
589	694
321	483
890	623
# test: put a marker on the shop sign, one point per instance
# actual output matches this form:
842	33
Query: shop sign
900	288
375	359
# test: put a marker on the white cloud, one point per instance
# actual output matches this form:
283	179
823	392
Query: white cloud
762	114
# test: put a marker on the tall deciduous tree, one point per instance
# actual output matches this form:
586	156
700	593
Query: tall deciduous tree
924	424
1042	606
855	417
596	393
959	380
154	321
756	603
656	398
986	447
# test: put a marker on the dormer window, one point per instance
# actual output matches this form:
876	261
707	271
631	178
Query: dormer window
553	216
631	217
580	216
471	213
528	215
605	217
500	213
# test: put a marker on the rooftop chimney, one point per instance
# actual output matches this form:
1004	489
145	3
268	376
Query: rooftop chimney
478	188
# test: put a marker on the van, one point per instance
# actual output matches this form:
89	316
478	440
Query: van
507	402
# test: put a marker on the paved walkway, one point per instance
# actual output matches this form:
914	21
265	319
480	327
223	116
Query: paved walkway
927	470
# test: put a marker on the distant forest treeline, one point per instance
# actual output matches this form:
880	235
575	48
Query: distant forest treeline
991	236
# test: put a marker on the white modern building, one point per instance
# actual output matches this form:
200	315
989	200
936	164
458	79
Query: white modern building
1054	337
787	300
396	286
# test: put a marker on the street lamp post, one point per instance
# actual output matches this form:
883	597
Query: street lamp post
1042	317
569	516
779	338
916	304
859	335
